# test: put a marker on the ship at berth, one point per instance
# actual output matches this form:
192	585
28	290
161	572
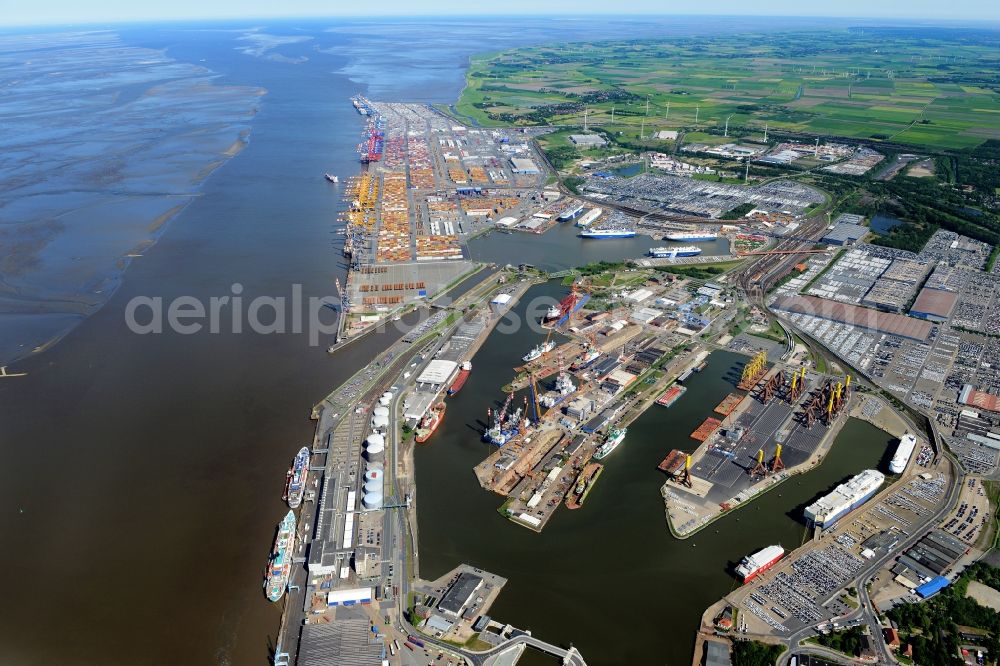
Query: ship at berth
615	437
827	510
903	452
754	565
674	252
691	236
295	480
463	375
279	565
603	234
538	350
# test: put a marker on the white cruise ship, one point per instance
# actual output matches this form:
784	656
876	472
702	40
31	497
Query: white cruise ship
827	510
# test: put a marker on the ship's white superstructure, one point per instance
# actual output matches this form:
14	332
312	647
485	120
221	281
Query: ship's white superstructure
903	452
827	510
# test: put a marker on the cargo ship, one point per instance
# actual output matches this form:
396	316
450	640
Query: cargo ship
537	351
588	217
362	105
903	452
585	360
295	479
671	395
614	438
331	178
279	564
603	234
674	252
430	422
846	497
691	236
754	565
463	375
584	482
557	315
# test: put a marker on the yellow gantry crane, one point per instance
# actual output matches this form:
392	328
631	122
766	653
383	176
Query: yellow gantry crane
753	370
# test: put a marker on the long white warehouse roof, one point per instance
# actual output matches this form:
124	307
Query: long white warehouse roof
438	371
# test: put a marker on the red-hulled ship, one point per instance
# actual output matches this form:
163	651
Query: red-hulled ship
463	375
430	422
756	564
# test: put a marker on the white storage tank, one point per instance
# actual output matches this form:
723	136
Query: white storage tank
373	500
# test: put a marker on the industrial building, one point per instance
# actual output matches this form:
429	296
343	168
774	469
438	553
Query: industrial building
438	373
845	234
934	304
347	642
588	140
974	398
460	594
522	165
872	320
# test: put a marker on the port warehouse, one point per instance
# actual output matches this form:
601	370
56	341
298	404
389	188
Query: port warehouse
845	313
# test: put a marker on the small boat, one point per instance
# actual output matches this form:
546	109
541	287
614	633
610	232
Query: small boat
430	422
331	178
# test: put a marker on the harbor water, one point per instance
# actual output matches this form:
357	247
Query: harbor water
560	248
608	577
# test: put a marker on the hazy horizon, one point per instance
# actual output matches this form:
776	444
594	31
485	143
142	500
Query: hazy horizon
66	12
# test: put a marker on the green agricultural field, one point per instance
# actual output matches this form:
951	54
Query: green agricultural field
932	88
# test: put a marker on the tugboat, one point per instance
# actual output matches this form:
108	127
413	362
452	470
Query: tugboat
430	422
331	178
